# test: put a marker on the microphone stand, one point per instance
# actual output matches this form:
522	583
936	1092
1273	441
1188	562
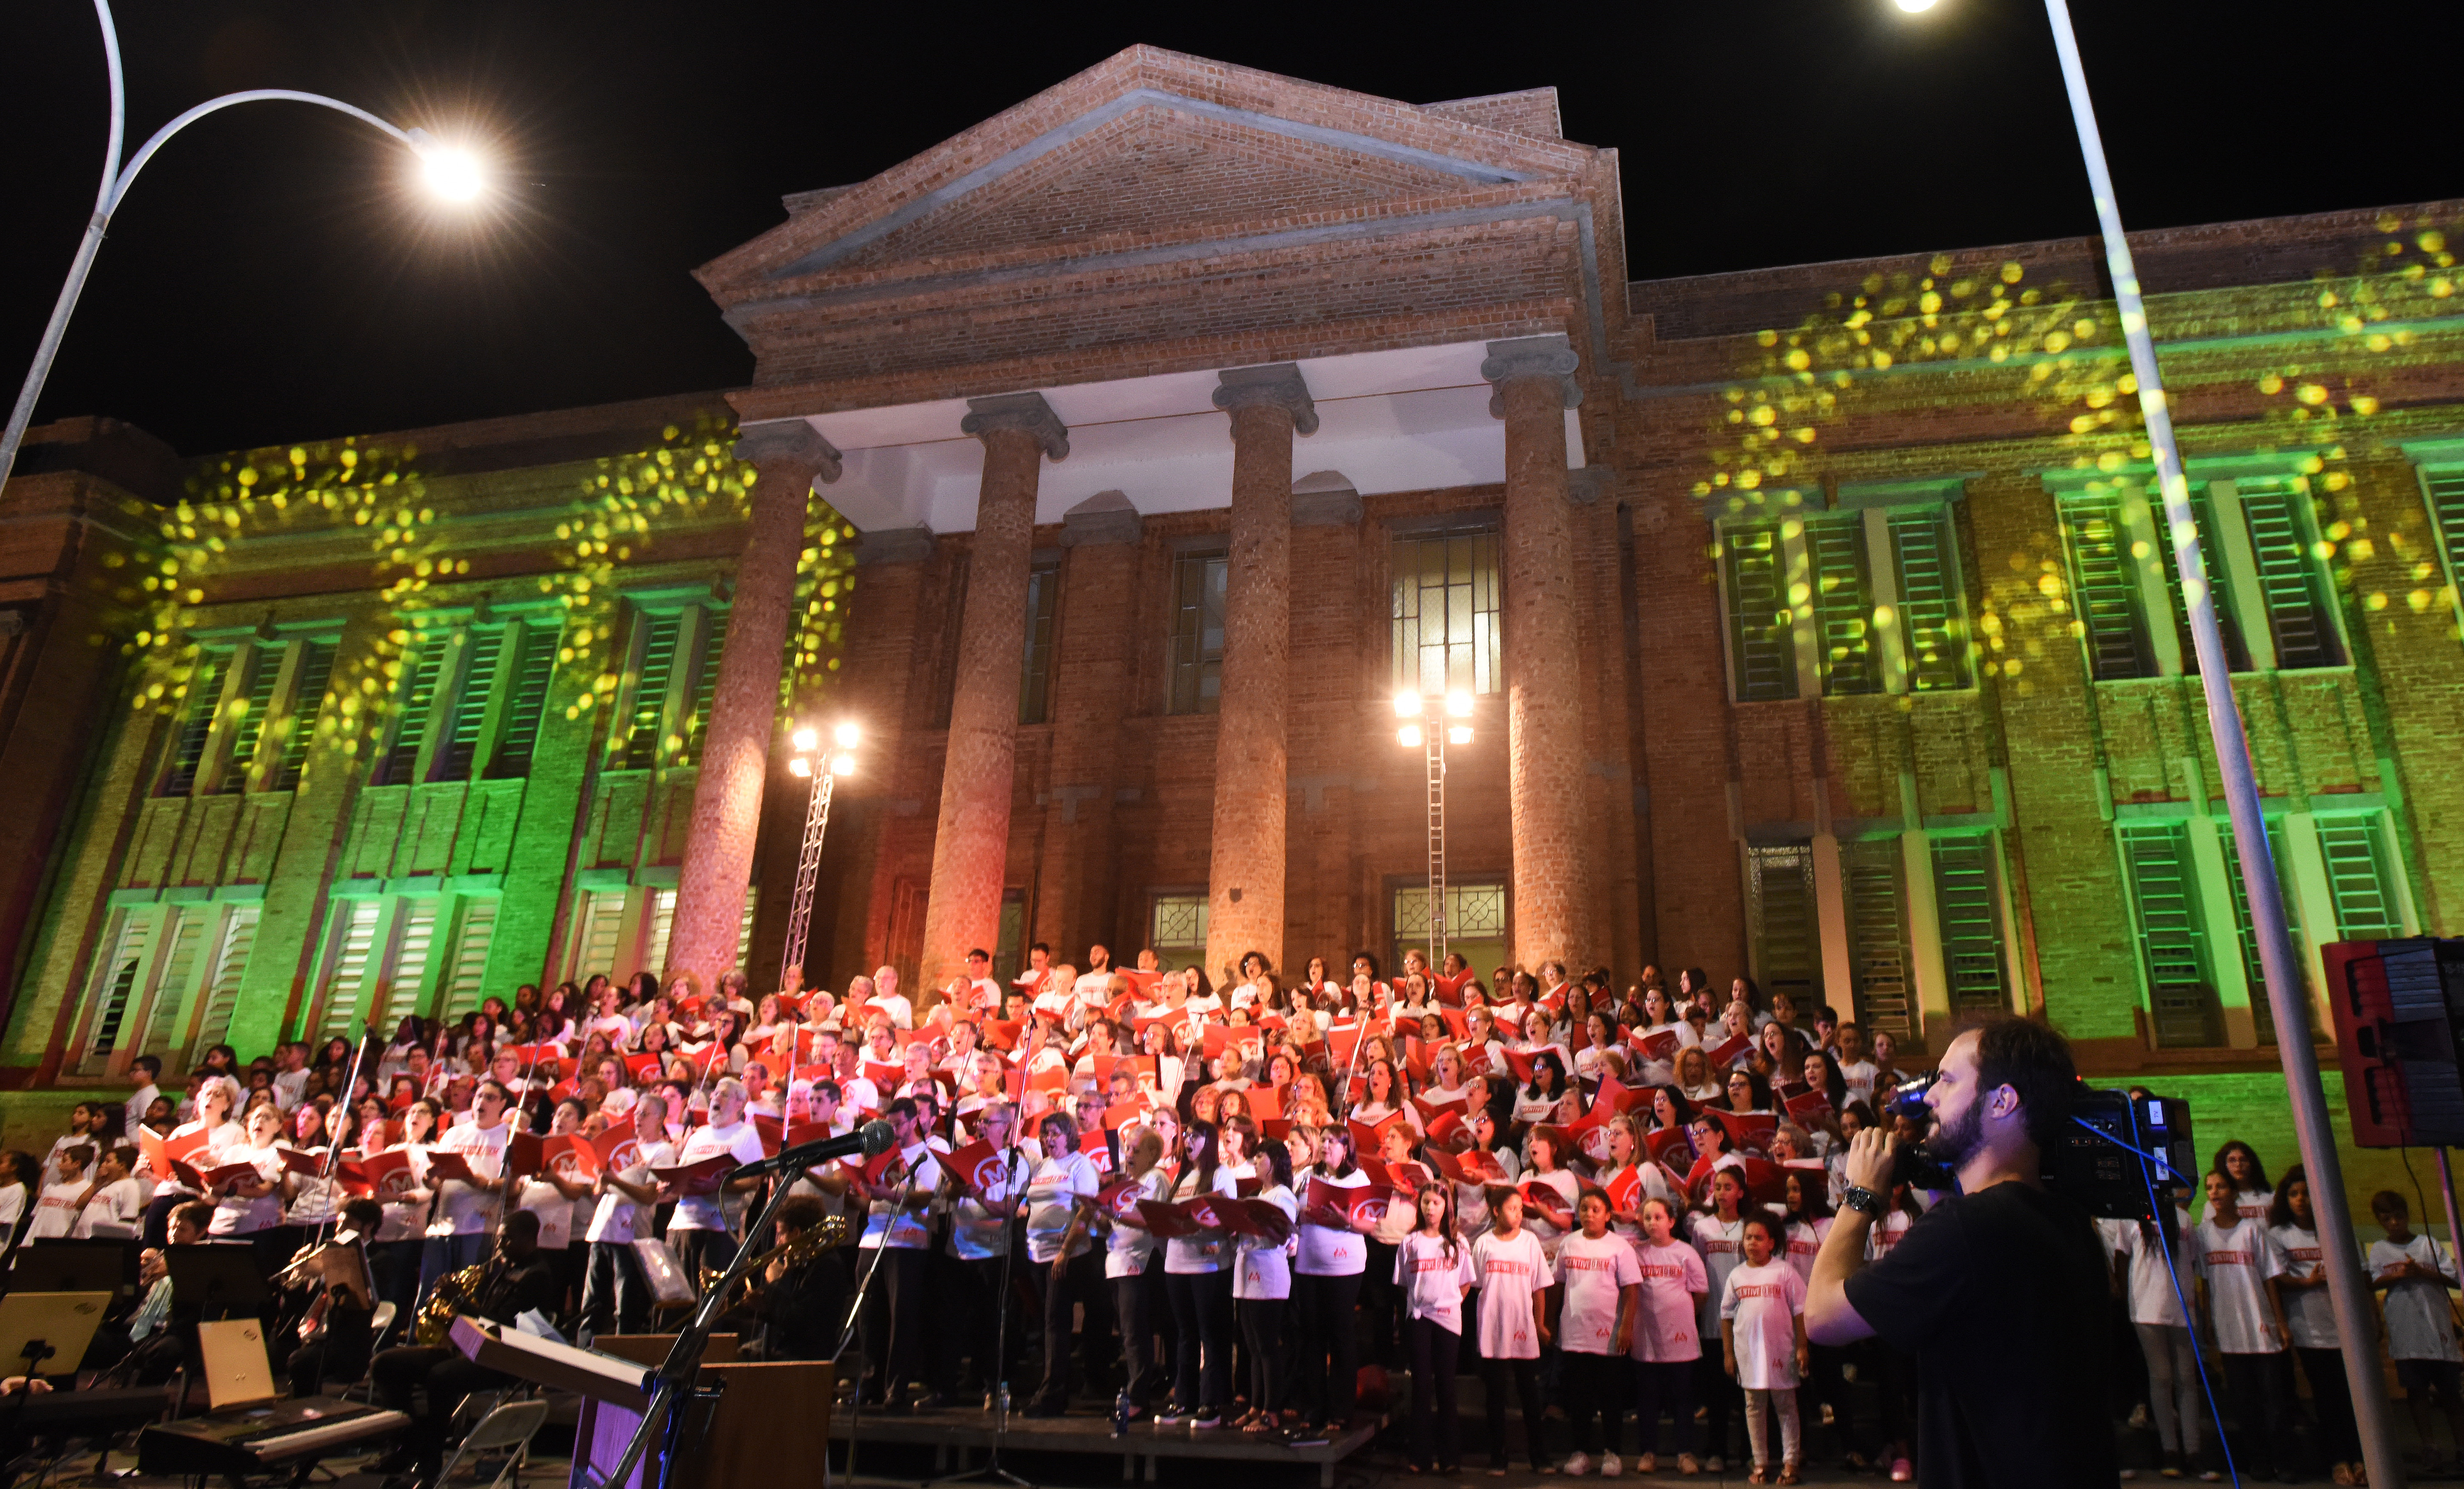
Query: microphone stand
992	1471
334	1142
855	1314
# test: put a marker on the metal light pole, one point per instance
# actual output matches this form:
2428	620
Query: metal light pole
2356	1319
1432	740
807	760
451	173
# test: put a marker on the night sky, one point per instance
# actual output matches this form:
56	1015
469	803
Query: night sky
273	277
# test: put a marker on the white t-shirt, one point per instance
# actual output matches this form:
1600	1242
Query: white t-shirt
2252	1204
219	1141
614	1221
1128	1248
905	1230
556	1214
1510	1274
1323	1250
1667	1323
133	1114
1804	1242
1593	1274
739	1140
1860	1077
2236	1263
460	1209
2309	1314
1722	1243
1433	1282
2152	1299
56	1212
113	1213
1265	1267
1761	1304
241	1214
902	1012
977	1226
2418	1324
1053	1194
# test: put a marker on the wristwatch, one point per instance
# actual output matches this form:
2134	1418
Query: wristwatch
1859	1197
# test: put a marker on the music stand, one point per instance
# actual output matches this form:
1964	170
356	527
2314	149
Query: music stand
216	1280
59	1266
38	1326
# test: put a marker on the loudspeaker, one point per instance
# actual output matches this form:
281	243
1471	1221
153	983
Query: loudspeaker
2399	1008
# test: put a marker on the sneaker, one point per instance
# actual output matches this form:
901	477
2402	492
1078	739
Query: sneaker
1611	1465
1578	1465
1207	1419
1715	1464
2209	1475
1173	1415
1301	1435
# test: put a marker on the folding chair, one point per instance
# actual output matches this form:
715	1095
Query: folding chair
508	1428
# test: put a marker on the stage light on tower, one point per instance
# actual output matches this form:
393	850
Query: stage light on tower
1408	736
847	735
1459	704
805	742
1407	705
808	763
450	171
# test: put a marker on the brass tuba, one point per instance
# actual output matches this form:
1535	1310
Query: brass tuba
453	1290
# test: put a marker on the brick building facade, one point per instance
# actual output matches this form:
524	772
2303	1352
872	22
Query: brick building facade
1151	436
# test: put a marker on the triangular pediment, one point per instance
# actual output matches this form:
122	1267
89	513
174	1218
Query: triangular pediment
1150	146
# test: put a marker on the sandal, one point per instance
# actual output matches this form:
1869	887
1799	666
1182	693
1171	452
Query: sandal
1261	1422
1759	1473
1787	1472
1689	1466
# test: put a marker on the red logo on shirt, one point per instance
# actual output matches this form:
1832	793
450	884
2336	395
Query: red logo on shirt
2229	1258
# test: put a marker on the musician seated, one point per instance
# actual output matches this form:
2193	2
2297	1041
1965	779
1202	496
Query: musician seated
335	1329
799	1295
512	1282
147	1346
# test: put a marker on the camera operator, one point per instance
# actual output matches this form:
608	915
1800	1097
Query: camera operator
1998	1291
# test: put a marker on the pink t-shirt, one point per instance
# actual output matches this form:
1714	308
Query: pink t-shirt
1673	1282
1433	1282
1762	1303
1510	1273
1594	1274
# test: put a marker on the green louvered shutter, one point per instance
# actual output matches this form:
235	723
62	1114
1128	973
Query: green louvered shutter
115	979
1762	642
2360	879
2172	939
2203	516
2102	569
418	698
466	970
248	730
2446	489
532	671
461	742
2254	975
221	993
2291	583
1969	908
196	722
713	640
1877	937
307	700
650	691
1843	604
1933	613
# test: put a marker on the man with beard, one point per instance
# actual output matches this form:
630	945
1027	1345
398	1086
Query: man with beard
1999	1290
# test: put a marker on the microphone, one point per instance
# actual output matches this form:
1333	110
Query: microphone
872	1139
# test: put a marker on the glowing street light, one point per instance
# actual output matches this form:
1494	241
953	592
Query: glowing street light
824	771
2356	1321
450	171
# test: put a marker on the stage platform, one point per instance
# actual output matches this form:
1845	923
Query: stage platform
955	1436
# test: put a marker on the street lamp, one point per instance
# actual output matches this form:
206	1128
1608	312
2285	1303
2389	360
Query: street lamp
823	768
451	173
2356	1319
1450	723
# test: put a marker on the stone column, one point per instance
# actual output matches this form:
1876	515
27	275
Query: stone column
970	837
1245	903
789	457
1544	729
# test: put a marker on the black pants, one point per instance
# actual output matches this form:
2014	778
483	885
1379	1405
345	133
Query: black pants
1437	1420
971	1307
340	1354
1526	1376
894	1319
2331	1396
1139	1303
157	1226
1201	1310
1262	1337
1061	1288
1669	1385
1825	1383
2261	1389
394	1268
447	1378
1381	1307
1595	1391
614	1292
1327	1326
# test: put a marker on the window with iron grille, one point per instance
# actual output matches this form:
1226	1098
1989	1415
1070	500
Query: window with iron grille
1446	633
1177	923
1195	661
1786	932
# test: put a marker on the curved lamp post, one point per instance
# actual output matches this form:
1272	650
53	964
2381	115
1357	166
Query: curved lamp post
451	173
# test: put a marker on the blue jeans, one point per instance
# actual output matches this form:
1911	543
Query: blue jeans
440	1255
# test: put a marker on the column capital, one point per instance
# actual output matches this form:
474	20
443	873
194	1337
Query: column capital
1531	357
1275	384
1027	412
788	441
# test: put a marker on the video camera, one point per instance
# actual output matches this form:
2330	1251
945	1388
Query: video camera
2097	1162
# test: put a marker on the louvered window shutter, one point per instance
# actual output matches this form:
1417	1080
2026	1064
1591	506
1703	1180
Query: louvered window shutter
222	994
1934	612
1788	955
2172	937
248	730
349	965
2102	569
650	691
1761	639
196	722
1969	904
470	715
2291	583
2359	879
307	700
2253	976
418	698
1878	938
533	669
713	640
116	978
2203	516
1843	604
